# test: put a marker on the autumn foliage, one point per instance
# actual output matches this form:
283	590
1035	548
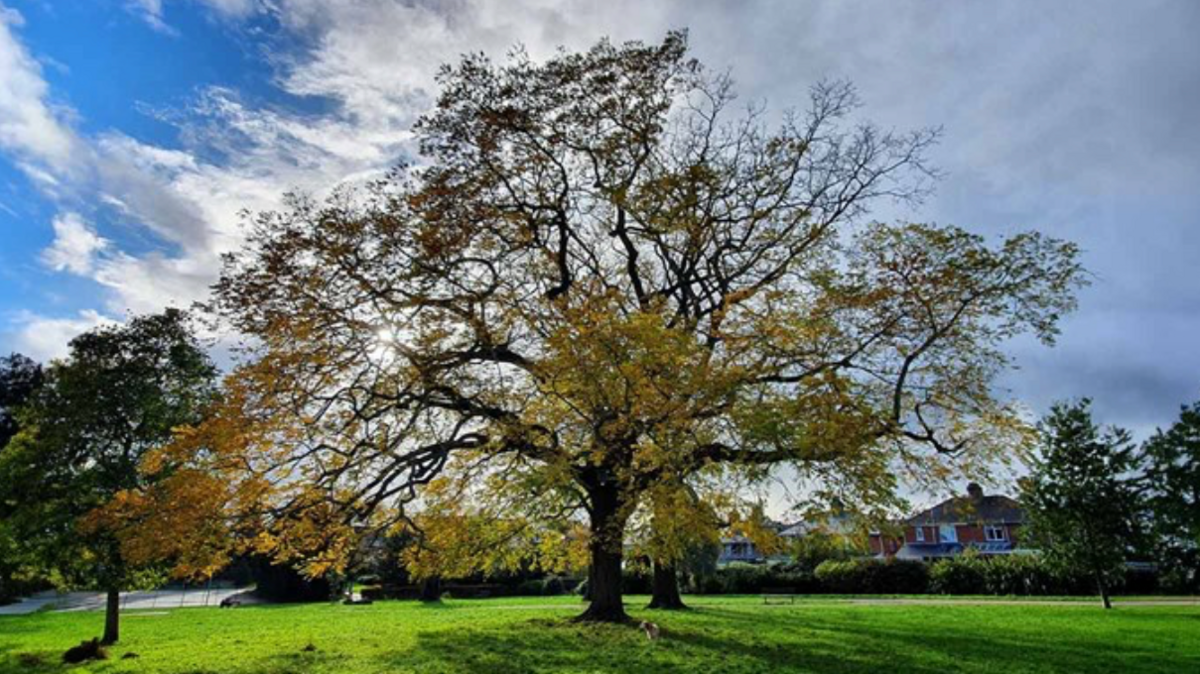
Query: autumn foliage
599	290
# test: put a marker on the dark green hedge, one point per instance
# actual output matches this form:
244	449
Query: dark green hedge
873	576
1023	575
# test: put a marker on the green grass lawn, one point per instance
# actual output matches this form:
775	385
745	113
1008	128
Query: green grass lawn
723	635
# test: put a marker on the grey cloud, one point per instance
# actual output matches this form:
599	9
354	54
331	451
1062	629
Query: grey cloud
1075	118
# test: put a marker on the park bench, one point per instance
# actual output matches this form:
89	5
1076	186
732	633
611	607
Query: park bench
776	595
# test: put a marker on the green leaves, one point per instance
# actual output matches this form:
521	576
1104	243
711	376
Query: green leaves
1081	501
119	394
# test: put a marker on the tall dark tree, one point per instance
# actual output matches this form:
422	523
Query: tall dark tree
20	376
1171	461
1080	499
120	393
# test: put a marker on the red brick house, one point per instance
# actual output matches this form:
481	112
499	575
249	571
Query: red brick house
989	524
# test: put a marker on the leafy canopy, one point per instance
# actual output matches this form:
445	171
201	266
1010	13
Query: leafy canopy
603	281
118	395
1080	498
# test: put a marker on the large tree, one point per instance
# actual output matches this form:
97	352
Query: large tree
1080	498
119	393
598	281
1171	460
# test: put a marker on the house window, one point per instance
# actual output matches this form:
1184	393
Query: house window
994	533
920	534
947	533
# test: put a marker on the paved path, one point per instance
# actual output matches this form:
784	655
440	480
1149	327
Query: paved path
95	601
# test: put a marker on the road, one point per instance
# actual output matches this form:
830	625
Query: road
94	601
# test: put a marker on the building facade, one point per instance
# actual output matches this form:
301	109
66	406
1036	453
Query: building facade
988	524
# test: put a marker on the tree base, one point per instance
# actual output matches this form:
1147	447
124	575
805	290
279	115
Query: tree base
604	614
675	604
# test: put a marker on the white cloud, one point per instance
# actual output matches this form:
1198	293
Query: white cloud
151	12
1045	118
30	125
233	8
375	60
75	245
43	338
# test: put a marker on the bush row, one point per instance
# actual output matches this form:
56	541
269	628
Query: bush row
504	587
1021	575
871	576
1028	575
967	574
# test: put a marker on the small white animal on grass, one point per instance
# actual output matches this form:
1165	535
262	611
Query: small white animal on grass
652	631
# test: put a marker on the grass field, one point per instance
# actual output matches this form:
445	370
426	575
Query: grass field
723	635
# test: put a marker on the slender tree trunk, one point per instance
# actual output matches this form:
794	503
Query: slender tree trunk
112	617
431	589
1103	587
666	589
604	577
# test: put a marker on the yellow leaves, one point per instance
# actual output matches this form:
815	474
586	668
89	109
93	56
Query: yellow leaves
754	525
493	517
674	521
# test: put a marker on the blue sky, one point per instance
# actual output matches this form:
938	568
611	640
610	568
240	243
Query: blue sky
133	132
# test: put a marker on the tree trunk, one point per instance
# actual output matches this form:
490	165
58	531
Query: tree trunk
431	589
604	577
666	589
112	618
1103	587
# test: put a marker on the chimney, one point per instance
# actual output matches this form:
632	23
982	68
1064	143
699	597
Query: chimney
975	491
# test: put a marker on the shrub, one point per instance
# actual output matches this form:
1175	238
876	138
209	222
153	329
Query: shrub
1140	581
965	574
752	579
553	586
1179	580
901	576
1003	575
873	576
530	588
841	576
1021	575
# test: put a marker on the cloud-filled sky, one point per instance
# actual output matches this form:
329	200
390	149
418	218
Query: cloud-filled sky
134	132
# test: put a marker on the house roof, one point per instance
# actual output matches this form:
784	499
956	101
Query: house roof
974	507
842	523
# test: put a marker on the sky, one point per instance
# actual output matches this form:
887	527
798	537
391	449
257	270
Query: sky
135	133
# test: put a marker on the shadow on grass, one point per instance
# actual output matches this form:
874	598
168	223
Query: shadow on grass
720	640
727	641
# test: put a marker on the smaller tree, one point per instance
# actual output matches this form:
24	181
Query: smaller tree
20	376
121	392
1171	460
1081	503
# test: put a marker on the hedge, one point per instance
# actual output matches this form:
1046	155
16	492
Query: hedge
873	576
1023	575
753	579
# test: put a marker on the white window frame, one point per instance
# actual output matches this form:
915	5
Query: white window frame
990	532
947	533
